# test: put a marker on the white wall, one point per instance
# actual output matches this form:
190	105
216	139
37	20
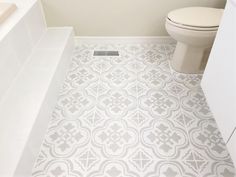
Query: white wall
116	17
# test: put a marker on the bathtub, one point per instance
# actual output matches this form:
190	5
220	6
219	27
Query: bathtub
34	60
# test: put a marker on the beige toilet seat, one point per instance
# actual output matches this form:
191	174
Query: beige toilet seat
192	28
196	18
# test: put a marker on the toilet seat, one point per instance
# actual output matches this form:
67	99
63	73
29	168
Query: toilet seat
196	18
192	28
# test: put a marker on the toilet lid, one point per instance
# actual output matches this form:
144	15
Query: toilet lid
203	17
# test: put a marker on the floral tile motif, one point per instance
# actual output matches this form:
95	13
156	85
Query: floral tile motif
206	135
171	169
137	88
138	118
189	80
158	103
135	66
115	137
164	138
113	169
58	168
152	57
176	89
87	159
94	118
81	77
141	160
100	65
206	164
117	103
220	169
67	137
195	161
118	77
183	118
159	48
123	59
131	115
56	117
195	102
75	103
155	77
66	87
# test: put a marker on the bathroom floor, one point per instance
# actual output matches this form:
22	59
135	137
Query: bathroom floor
131	116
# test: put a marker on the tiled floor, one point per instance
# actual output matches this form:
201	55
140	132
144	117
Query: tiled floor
131	116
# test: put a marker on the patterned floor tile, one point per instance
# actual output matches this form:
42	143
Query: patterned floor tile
58	168
113	169
67	137
151	57
171	169
189	80
76	102
117	103
154	77
219	169
166	140
195	102
138	118
115	138
87	159
158	103
82	77
205	135
131	116
118	77
141	160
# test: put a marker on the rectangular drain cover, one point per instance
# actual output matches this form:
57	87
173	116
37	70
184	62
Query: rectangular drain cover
105	53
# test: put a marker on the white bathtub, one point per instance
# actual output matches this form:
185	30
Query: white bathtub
33	63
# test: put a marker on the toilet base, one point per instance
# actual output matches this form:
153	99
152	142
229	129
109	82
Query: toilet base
190	59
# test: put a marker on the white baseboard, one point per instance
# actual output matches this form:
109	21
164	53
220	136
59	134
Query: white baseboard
123	40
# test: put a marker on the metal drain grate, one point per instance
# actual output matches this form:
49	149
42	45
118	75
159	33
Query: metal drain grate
105	53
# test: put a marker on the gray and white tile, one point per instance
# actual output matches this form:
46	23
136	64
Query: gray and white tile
131	116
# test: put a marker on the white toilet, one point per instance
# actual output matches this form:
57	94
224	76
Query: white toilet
194	29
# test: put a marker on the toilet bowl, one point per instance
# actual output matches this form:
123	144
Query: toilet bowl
194	29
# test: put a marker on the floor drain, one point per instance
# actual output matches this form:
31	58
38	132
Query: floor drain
105	53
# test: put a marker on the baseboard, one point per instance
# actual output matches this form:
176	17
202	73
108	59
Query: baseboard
121	40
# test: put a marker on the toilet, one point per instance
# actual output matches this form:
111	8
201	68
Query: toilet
194	29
